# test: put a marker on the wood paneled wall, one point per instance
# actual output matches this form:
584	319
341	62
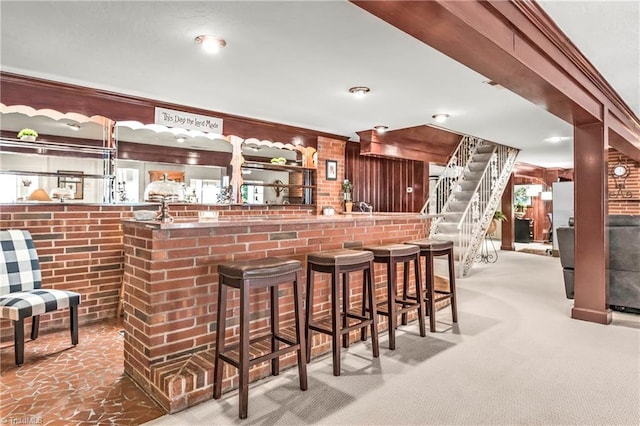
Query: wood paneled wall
383	182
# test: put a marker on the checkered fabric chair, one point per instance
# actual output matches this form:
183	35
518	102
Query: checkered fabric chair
20	292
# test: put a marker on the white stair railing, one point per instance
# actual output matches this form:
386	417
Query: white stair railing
478	214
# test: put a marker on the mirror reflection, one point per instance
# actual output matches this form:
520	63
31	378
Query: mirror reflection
72	160
45	165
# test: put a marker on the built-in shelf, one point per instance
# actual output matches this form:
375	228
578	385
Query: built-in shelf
303	188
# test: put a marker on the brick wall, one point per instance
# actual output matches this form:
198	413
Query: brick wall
80	249
330	191
629	201
171	293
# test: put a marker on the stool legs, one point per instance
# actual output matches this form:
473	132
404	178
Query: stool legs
335	321
391	301
339	312
432	292
244	351
275	362
302	360
452	287
309	309
221	321
244	360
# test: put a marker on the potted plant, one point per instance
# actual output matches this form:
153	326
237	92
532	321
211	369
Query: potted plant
27	135
520	210
347	187
498	216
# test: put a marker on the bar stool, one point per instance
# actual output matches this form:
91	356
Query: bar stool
246	276
431	249
391	255
341	263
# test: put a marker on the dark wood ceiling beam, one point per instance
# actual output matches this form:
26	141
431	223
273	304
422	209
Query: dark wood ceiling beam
517	45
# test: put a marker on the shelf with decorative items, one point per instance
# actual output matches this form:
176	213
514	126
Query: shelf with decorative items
67	156
275	183
68	184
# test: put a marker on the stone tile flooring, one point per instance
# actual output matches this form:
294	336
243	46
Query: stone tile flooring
59	384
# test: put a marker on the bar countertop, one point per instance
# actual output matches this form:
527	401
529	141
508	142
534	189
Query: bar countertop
184	223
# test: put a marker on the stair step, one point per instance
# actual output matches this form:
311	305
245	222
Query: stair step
464	195
468	185
483	157
472	175
486	147
477	166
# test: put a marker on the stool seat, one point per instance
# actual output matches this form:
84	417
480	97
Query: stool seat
262	268
339	257
436	245
393	250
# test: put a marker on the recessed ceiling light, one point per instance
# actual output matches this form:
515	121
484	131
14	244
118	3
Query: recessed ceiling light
440	118
359	91
180	139
380	129
556	139
210	43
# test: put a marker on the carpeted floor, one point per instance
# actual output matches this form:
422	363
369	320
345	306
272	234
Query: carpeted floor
514	358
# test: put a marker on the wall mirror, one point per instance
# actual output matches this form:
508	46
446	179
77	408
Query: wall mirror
276	173
48	162
199	161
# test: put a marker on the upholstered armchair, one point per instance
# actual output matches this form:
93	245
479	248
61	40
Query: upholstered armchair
624	261
21	295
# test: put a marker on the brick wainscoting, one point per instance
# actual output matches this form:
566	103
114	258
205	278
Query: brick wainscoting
80	248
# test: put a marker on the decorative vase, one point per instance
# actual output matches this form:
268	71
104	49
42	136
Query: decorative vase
348	206
28	138
492	227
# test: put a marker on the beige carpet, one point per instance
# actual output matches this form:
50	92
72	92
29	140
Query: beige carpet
515	358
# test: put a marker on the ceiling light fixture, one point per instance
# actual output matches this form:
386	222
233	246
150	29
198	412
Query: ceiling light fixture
359	91
440	118
180	139
210	43
380	129
556	139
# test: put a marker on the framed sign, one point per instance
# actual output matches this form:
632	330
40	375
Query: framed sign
332	170
73	182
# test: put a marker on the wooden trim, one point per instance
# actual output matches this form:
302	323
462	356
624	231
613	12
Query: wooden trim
38	93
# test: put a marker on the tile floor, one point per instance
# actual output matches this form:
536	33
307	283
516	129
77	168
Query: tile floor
59	384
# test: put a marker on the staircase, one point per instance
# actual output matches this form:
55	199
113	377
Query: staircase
467	194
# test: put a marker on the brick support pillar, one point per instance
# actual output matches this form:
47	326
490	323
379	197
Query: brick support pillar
329	191
590	212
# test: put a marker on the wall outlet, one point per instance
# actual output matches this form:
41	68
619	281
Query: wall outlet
409	190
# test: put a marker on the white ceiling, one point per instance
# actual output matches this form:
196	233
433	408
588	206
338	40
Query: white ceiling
293	63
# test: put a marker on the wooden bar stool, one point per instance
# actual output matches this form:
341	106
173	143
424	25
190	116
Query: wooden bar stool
246	276
341	321
431	249
391	255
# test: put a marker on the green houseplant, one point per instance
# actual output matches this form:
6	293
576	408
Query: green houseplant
347	187
27	134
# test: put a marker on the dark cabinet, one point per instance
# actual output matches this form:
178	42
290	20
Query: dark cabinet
523	230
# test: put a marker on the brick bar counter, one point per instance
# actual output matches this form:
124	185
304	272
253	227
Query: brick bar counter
171	285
